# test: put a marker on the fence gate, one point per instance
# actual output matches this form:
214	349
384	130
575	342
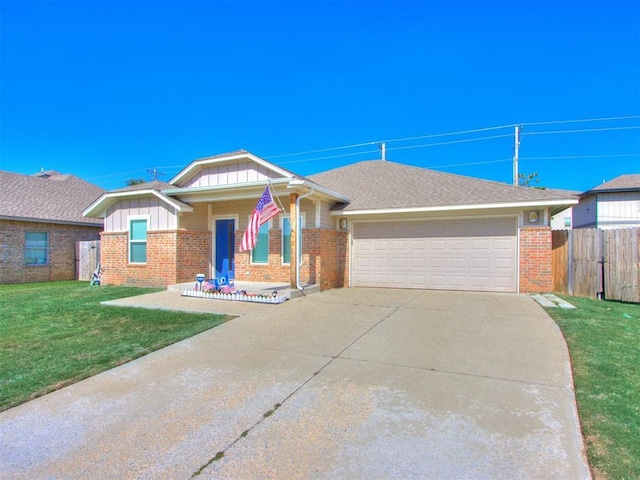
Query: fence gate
590	262
622	264
87	259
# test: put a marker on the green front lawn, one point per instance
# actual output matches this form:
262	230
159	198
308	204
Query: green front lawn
604	343
55	334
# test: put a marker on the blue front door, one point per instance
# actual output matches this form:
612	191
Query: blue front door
225	234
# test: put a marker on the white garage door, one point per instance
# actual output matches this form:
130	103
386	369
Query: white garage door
443	255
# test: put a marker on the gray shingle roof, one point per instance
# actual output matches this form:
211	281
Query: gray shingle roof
378	184
56	198
623	182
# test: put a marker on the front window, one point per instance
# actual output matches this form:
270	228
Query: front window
138	241
286	239
260	254
36	248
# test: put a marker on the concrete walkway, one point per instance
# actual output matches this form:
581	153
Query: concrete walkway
349	383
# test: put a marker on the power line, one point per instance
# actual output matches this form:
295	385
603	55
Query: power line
449	143
116	174
471	163
330	156
568	157
583	120
460	132
583	130
446	134
355	145
398	148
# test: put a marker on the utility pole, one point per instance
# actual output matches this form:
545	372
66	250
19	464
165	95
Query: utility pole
154	173
515	156
383	149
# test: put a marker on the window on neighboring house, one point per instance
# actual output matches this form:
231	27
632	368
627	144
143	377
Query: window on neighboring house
260	254
567	221
36	248
286	239
138	240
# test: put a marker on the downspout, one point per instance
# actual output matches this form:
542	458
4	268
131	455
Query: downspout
299	243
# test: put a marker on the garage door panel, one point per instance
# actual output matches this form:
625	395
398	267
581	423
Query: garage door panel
457	244
456	263
480	264
456	255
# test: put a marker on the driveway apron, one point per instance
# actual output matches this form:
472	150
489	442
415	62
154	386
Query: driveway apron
348	383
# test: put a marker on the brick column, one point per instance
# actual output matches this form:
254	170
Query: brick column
535	260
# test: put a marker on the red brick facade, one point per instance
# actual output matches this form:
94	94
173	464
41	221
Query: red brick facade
62	251
273	271
177	256
172	257
324	259
535	260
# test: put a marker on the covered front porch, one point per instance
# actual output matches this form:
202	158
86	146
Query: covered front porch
161	234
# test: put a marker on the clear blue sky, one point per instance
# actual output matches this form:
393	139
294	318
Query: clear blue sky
106	90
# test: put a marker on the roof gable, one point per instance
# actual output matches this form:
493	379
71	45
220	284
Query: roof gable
384	185
235	168
53	197
140	190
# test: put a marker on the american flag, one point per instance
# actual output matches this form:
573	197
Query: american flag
265	210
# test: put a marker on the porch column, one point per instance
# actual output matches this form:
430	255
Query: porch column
293	221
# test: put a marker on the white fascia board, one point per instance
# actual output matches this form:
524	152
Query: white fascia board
452	208
98	208
225	159
306	186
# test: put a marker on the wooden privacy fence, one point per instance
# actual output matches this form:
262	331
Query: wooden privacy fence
87	259
591	262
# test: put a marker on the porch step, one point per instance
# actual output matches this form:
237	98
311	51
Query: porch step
307	290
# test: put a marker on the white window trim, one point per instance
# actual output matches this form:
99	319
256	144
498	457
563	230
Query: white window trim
263	264
137	217
303	223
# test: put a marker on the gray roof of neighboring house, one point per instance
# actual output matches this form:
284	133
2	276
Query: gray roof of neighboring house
379	184
47	196
628	182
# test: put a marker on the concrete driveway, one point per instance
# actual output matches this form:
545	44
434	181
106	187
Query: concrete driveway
349	383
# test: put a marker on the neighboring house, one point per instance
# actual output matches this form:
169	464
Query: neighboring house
40	221
613	204
562	220
373	223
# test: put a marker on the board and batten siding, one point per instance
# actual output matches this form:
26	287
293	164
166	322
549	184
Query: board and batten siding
618	210
326	220
242	172
161	215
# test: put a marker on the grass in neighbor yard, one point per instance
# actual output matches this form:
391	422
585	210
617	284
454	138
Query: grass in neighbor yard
55	334
604	343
